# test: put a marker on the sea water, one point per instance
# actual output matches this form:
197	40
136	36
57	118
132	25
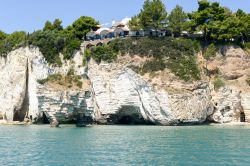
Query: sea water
124	145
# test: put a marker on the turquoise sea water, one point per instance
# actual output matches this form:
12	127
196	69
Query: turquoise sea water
125	145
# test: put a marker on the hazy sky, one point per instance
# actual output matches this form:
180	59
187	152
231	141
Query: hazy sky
30	15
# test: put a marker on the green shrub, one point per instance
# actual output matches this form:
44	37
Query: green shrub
51	43
218	83
71	46
210	52
50	78
79	84
58	61
54	77
2	35
42	81
69	80
11	42
247	45
52	40
103	53
176	54
71	72
248	80
153	65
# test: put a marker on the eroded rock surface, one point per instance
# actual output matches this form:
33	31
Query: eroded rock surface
122	91
64	105
118	88
192	107
18	75
246	105
118	95
227	104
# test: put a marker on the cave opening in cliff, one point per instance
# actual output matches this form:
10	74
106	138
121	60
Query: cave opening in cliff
129	115
22	113
242	117
45	120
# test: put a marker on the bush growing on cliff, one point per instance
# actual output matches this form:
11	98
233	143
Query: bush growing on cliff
103	53
176	54
218	83
248	80
247	45
50	78
12	41
210	51
2	35
69	80
53	42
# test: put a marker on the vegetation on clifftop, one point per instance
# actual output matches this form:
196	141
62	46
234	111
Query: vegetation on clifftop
215	23
176	54
51	40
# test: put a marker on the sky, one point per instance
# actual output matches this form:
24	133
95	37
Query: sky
30	15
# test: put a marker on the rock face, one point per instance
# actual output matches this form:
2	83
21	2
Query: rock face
117	94
246	106
233	63
228	107
192	107
121	96
19	72
23	98
76	64
63	106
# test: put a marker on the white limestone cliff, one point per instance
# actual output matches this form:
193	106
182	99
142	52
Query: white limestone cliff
19	72
62	105
119	95
227	104
21	94
245	102
116	88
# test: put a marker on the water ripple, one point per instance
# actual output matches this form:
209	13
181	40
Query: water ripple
125	145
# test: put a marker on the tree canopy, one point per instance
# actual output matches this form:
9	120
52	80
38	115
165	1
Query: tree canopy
56	25
177	20
51	40
2	35
219	23
153	15
134	23
82	26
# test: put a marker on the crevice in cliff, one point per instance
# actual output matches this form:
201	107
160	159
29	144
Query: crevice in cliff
20	115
